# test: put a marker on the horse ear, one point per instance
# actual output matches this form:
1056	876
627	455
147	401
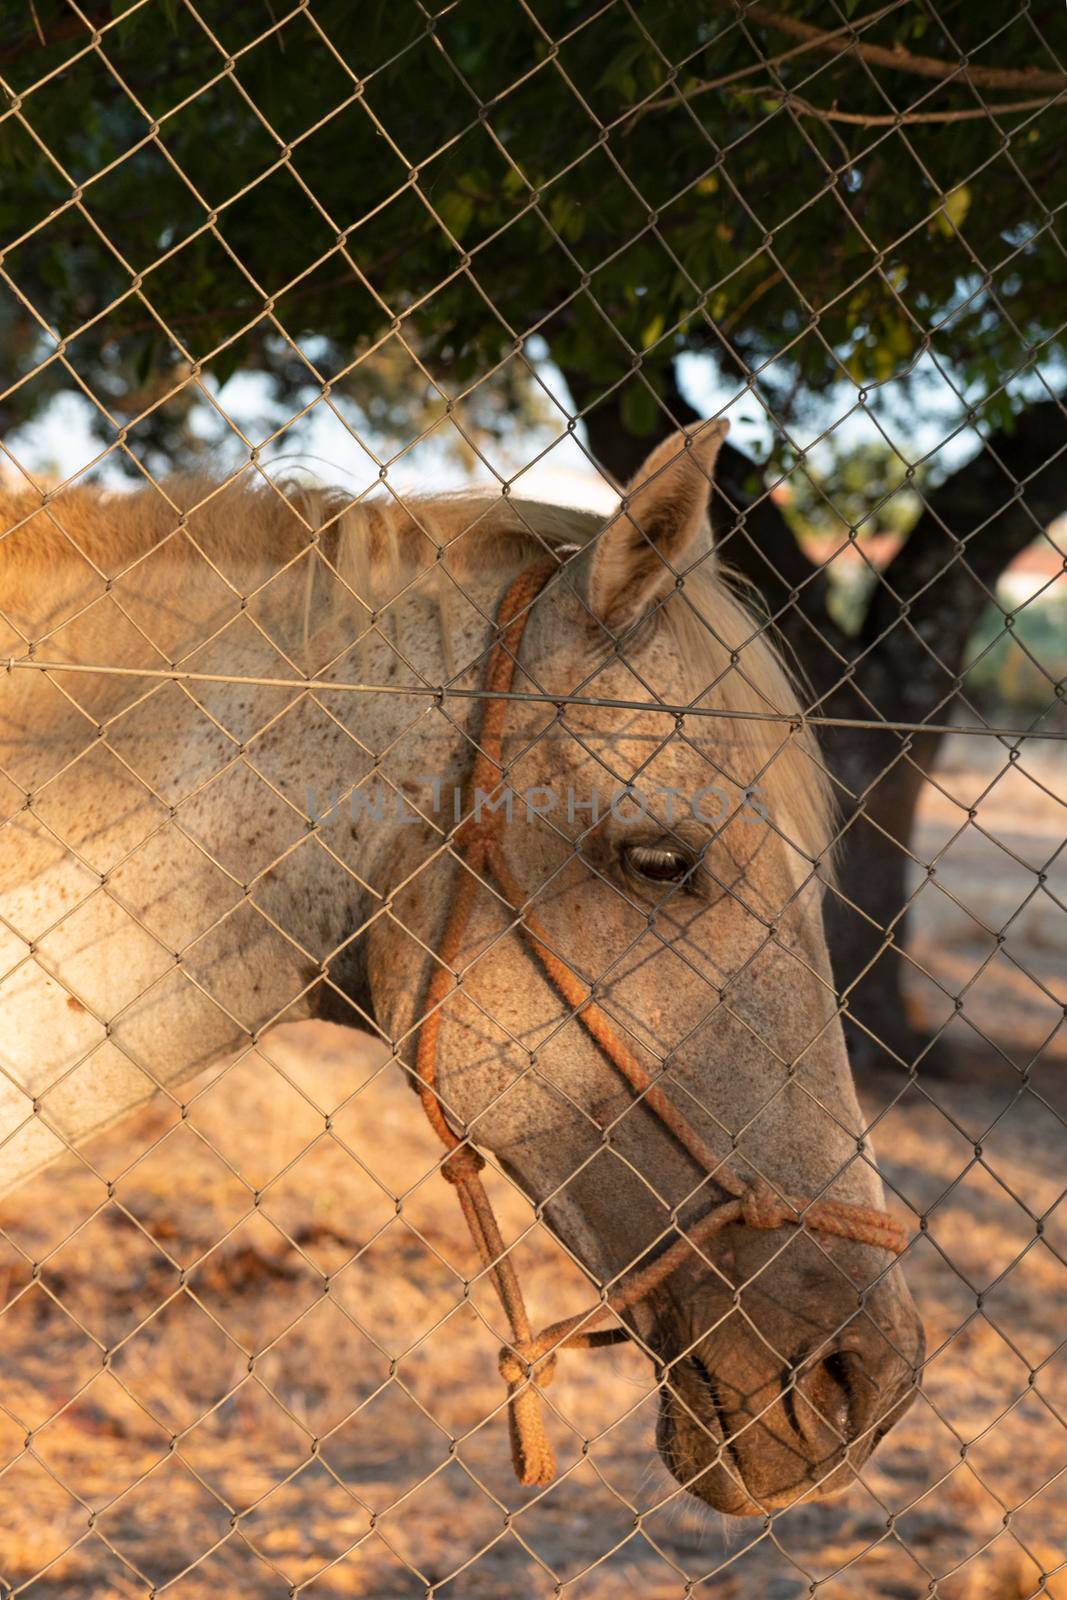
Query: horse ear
637	557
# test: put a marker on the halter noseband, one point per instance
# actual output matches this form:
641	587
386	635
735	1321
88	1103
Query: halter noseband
527	1362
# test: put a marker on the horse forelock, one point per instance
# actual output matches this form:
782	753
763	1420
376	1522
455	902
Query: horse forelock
733	665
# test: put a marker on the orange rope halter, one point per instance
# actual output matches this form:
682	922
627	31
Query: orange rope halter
527	1362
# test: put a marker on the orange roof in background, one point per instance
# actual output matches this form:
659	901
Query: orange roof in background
878	549
1040	561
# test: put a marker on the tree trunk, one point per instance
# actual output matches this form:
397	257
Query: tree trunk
908	666
905	666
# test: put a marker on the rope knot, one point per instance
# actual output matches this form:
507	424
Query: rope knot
526	1369
761	1207
465	1162
525	1359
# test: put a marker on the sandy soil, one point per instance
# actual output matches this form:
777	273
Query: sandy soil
990	926
252	1370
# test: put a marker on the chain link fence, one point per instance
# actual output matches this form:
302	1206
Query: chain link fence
294	821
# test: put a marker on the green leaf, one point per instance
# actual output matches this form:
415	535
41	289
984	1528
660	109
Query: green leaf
954	211
653	330
456	211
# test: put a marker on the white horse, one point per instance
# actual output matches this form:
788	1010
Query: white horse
200	845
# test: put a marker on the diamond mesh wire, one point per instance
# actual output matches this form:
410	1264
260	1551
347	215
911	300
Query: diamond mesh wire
246	1345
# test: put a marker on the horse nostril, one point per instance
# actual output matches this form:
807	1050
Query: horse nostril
827	1399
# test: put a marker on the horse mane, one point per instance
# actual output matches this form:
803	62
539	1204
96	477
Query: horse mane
250	521
59	550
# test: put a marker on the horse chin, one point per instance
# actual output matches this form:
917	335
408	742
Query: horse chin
708	1472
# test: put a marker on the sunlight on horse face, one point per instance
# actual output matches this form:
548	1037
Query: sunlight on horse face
693	908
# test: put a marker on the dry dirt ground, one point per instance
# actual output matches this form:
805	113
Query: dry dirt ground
252	1371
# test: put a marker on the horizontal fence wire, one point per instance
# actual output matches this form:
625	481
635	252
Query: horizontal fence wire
796	719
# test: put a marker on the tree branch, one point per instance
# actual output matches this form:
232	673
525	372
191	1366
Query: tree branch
892	119
670	101
897	59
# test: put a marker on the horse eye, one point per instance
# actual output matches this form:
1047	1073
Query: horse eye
659	863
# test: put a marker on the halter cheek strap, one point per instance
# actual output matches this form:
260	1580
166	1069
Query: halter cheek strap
527	1362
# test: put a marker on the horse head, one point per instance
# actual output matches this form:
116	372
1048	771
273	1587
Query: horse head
661	818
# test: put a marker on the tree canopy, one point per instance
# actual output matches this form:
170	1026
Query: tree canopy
381	197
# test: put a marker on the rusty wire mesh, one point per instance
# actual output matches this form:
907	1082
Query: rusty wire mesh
246	1347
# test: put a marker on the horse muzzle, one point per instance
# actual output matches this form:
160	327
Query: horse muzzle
751	1423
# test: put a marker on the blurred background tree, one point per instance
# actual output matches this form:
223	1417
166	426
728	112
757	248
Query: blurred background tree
847	217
